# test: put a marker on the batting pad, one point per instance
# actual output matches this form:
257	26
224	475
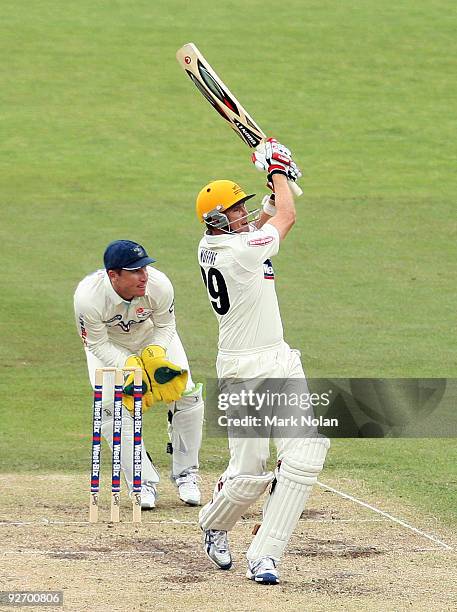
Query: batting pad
295	479
235	497
148	472
185	431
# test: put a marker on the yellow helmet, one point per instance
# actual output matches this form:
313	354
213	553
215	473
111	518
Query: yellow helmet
218	196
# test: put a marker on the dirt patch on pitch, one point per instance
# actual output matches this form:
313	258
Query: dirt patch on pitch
333	548
187	579
339	585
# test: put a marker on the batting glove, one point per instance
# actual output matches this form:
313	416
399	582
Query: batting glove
275	158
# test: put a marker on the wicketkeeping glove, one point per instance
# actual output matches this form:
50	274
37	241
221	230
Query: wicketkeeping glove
133	361
168	381
275	158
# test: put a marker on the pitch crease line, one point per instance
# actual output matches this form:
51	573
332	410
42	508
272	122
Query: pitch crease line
387	515
44	522
58	553
51	522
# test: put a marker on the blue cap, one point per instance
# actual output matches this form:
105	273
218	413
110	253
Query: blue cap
125	254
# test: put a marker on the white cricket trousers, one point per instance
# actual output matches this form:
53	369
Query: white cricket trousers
250	455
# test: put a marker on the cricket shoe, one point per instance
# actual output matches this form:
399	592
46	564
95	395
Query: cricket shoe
149	496
263	571
216	547
188	489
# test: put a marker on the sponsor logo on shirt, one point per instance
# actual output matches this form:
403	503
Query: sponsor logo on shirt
260	241
268	271
83	331
117	321
143	313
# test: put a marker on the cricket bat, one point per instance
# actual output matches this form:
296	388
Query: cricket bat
221	98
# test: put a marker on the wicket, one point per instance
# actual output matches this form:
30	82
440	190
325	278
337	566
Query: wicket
116	453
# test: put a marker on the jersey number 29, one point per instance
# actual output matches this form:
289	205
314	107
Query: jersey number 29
217	290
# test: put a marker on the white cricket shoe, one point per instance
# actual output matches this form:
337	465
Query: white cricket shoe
217	549
188	489
149	496
263	571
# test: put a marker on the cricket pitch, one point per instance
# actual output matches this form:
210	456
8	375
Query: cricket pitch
341	557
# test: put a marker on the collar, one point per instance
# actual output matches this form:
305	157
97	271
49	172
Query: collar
211	239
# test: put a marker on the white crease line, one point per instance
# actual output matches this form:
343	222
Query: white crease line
330	521
373	549
59	553
44	522
387	515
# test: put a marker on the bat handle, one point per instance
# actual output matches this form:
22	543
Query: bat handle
295	189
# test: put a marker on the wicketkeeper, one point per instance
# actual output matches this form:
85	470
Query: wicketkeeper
234	255
125	317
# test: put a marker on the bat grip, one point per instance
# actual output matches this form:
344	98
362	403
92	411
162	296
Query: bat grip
295	189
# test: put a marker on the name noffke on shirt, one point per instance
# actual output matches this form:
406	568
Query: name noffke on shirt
208	257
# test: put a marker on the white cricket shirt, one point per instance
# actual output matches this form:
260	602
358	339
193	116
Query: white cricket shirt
239	279
112	328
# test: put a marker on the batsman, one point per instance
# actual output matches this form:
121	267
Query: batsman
125	318
235	258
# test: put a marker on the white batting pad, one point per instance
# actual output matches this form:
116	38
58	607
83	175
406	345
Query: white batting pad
234	498
185	431
295	479
148	472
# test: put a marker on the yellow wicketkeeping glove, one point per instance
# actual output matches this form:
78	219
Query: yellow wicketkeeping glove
133	361
168	381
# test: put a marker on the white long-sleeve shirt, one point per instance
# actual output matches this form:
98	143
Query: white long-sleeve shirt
112	328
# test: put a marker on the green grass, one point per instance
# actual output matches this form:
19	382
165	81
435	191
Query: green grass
103	137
